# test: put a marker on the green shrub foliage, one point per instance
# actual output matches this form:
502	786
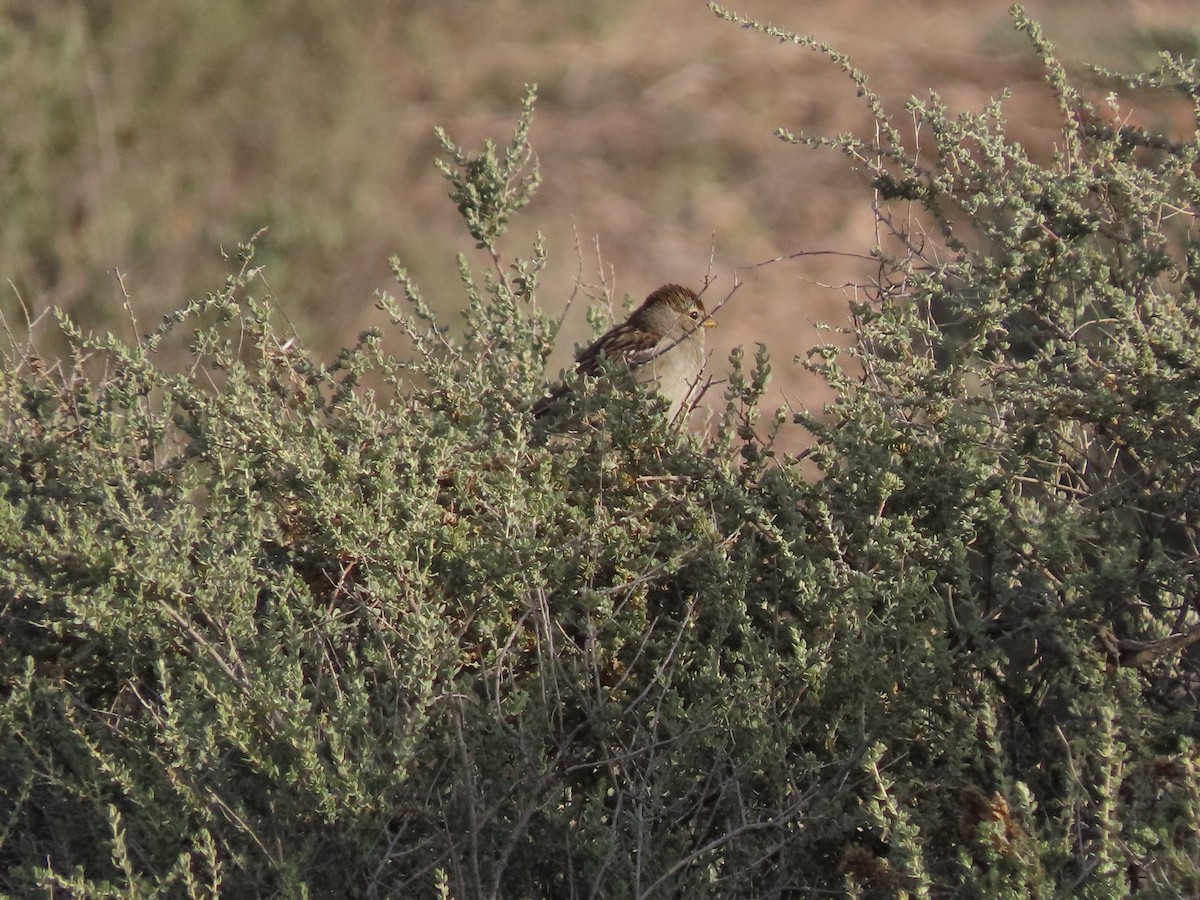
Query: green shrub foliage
273	627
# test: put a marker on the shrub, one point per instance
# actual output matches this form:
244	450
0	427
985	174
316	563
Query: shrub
275	627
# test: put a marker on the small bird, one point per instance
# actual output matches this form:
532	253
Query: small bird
662	342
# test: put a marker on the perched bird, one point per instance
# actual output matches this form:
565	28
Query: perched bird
662	342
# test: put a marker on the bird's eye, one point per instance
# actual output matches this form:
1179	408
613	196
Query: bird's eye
694	314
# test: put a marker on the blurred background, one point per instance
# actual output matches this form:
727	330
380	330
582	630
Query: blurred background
146	138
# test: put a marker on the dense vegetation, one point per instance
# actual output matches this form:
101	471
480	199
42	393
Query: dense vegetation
273	627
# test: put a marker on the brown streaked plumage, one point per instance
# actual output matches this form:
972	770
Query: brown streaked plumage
662	342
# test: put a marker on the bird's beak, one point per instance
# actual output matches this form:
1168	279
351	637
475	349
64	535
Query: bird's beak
710	323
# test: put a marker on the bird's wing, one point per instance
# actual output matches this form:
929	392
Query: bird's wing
628	343
633	346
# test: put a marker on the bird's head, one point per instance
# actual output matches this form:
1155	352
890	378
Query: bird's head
669	307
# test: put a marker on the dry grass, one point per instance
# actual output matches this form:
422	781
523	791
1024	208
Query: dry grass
145	144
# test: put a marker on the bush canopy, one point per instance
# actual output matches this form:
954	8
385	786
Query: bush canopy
277	627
